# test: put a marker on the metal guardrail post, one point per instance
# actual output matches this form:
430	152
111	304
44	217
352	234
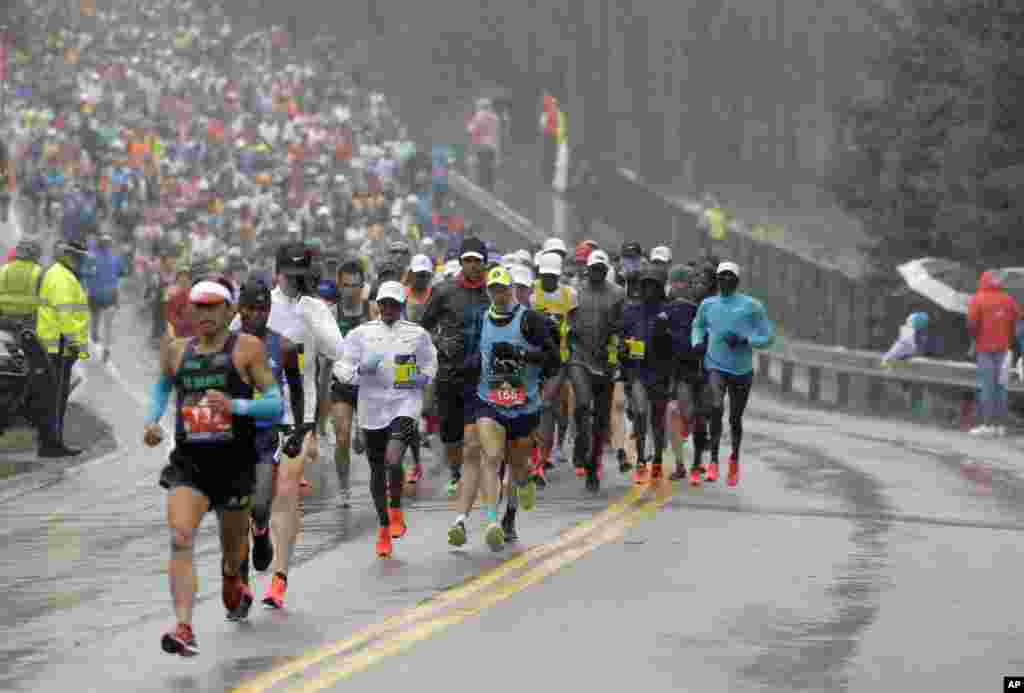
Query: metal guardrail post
786	382
843	389
814	383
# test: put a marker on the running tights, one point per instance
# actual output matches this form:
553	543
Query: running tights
648	405
386	476
738	389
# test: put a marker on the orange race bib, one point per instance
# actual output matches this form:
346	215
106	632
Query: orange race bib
202	424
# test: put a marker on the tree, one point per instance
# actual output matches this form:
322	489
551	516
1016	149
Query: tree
935	162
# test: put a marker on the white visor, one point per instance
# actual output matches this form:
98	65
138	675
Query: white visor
207	292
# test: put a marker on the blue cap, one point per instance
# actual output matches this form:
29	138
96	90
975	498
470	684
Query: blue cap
328	290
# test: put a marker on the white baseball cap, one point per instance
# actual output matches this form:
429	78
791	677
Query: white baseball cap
421	263
599	257
392	290
451	268
661	254
555	245
323	211
728	267
550	263
521	275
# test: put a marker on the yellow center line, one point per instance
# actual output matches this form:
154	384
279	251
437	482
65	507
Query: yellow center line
263	682
404	640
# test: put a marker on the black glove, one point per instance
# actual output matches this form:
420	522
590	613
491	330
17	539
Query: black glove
505	351
293	446
734	340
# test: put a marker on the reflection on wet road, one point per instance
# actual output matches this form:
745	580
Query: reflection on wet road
843	537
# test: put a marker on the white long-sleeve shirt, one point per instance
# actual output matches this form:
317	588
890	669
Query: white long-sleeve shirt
380	402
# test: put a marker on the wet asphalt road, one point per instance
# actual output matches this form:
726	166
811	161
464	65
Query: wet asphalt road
856	554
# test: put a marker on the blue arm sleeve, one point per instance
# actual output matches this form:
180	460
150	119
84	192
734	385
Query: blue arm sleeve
764	330
269	406
698	332
160	397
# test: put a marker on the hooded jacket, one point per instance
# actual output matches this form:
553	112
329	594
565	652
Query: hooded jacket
992	316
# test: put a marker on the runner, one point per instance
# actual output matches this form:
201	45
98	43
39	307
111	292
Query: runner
731	325
392	360
217	376
254	310
516	351
652	337
454	314
595	325
417	293
351	312
299	315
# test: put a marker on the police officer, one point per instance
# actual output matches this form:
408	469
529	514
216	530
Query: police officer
62	326
19	284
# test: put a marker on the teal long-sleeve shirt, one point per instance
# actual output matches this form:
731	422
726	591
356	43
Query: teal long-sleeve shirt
739	314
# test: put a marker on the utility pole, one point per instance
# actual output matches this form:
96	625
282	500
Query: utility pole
4	49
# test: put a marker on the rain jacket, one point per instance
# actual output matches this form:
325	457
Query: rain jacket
738	314
455	313
992	316
648	356
594	323
65	311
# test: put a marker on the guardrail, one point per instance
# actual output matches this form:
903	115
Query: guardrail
837	377
850	379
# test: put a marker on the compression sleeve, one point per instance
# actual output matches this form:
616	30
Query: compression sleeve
160	397
269	406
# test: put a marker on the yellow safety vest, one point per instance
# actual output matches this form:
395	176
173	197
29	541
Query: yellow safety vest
560	307
716	221
64	311
19	289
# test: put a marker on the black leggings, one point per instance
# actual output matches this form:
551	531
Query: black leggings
692	399
385	448
593	413
738	389
648	404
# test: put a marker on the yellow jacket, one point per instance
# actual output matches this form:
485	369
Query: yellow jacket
19	289
560	307
64	311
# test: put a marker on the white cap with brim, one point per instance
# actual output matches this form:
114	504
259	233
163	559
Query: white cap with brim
472	253
207	292
661	254
421	263
521	275
728	267
391	290
599	257
550	263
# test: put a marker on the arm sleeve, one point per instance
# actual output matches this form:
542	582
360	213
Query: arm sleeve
160	397
763	333
698	333
346	369
269	406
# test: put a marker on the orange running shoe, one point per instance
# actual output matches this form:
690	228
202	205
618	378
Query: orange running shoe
274	598
641	475
712	472
398	527
734	470
384	542
697	476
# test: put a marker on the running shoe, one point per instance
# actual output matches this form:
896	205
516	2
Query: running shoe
734	470
180	641
344	499
384	542
398	526
495	537
712	473
457	533
274	598
358	442
641	475
679	474
656	472
624	465
593	480
581	471
414	474
453	488
508	525
538	477
241	612
528	496
262	549
697	476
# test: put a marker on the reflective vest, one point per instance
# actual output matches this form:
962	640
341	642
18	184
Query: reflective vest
64	311
557	307
19	289
716	222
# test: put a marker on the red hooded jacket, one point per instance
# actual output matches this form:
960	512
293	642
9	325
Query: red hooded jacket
992	315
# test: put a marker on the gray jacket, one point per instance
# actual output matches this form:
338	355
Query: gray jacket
597	318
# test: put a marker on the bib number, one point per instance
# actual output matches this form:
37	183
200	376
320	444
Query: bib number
505	395
405	370
203	425
636	348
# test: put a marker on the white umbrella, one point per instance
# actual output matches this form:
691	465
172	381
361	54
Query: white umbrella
944	282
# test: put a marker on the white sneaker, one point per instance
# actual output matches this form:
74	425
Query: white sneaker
982	431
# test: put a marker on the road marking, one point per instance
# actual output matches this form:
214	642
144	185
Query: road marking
400	632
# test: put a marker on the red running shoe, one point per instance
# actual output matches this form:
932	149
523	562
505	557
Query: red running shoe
712	474
398	528
384	542
697	476
180	641
274	598
734	470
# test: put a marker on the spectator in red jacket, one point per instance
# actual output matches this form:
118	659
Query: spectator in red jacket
992	316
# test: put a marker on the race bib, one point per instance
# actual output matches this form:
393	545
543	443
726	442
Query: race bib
405	370
202	424
636	348
507	395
